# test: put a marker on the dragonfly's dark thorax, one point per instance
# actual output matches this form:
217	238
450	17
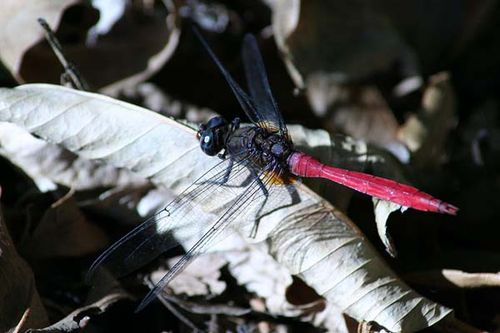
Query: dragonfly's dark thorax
260	146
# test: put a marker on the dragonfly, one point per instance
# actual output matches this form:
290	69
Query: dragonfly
255	176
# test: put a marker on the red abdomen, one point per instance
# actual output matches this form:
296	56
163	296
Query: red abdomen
303	165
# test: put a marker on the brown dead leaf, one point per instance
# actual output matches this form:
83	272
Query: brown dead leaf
324	60
343	40
20	306
153	44
64	232
148	34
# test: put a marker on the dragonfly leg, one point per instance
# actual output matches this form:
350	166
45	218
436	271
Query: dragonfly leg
225	177
294	199
235	124
255	227
222	155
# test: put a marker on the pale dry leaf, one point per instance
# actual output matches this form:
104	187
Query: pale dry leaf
208	15
286	15
48	164
332	319
269	281
252	267
110	12
383	209
255	269
310	238
20	28
365	115
199	278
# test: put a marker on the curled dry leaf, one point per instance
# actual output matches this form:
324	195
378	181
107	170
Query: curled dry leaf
157	43
78	319
425	133
382	210
21	307
322	59
311	238
22	15
365	115
343	40
152	40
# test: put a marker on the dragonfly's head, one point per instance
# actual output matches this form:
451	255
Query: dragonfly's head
212	135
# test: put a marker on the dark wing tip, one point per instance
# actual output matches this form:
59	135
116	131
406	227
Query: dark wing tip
151	295
93	268
249	39
141	306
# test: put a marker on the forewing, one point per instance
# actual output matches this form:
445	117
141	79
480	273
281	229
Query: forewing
192	211
260	90
246	103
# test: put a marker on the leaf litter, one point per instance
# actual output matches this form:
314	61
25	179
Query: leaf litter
95	182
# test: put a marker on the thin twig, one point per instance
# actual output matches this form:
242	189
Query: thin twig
71	74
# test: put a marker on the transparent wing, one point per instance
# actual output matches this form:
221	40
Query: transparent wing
259	87
251	202
190	211
199	217
255	109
